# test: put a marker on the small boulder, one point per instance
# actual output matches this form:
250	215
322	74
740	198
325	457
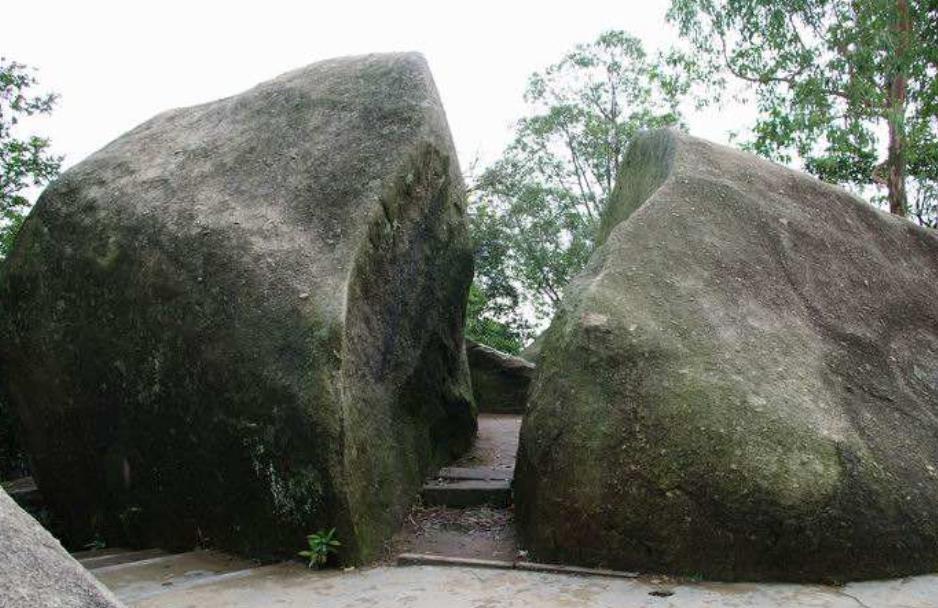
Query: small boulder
37	572
499	381
743	382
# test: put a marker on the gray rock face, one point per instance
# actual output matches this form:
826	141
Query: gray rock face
499	381
532	352
743	383
241	322
37	572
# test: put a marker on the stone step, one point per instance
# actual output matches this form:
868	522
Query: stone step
467	493
134	581
25	493
478	473
104	558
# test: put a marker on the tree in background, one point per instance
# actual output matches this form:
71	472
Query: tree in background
24	161
493	314
846	85
535	211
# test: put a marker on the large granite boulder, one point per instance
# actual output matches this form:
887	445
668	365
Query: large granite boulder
743	383
500	381
241	322
37	572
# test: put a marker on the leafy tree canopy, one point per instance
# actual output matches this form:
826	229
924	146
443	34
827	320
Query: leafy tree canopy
846	85
24	161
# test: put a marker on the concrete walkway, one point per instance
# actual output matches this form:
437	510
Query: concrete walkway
293	586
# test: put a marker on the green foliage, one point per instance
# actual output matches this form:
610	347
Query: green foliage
483	326
535	210
492	316
24	160
321	544
846	85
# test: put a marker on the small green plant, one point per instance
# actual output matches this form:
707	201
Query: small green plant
321	544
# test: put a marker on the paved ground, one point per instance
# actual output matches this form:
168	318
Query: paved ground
293	586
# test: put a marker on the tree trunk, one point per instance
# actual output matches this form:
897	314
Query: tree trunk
895	161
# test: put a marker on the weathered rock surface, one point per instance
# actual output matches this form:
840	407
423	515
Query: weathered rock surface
241	322
532	352
37	572
499	381
743	383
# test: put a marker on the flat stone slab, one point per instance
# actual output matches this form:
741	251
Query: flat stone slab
293	586
467	493
424	559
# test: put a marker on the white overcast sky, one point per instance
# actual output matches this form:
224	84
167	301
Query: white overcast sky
115	64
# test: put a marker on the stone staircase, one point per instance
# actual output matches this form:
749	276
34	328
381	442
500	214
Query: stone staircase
462	487
465	509
483	476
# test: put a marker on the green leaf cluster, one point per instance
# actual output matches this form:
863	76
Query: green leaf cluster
321	545
25	161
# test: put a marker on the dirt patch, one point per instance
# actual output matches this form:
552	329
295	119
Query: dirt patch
481	533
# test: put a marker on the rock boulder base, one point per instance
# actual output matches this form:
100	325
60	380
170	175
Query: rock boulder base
241	322
743	383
